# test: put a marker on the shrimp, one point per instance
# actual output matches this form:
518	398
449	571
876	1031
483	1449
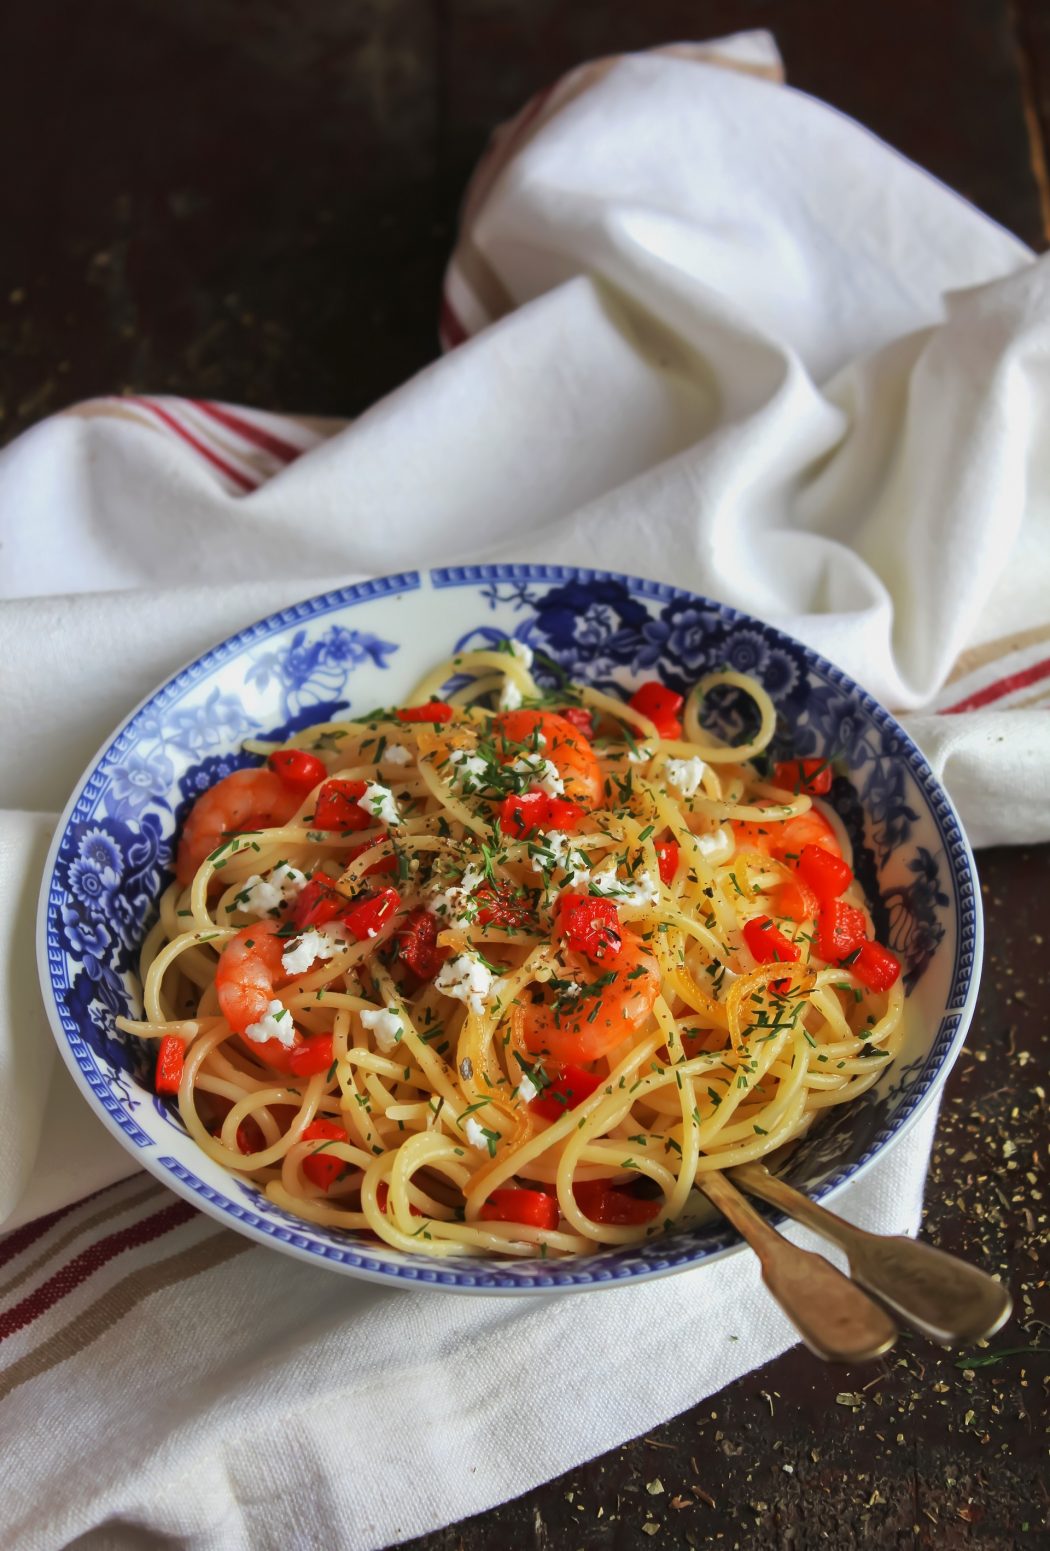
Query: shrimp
569	1029
248	973
245	800
565	746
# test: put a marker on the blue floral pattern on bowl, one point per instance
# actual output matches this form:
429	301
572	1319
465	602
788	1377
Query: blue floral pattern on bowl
355	648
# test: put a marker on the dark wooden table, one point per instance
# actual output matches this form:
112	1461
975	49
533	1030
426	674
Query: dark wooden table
255	202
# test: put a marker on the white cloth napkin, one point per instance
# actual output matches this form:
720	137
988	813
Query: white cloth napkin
726	339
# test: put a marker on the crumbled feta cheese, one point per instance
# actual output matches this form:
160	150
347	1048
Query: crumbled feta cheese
685	775
542	773
468	770
313	944
716	842
527	1090
276	1023
457	903
474	1133
640	756
523	652
554	853
378	802
261	895
396	754
639	888
466	979
386	1026
509	696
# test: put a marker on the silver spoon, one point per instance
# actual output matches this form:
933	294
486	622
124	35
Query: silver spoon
942	1297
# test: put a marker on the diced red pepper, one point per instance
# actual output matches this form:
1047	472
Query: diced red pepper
500	906
590	925
249	1136
272	1052
432	711
828	875
298	769
533	1208
768	946
661	705
319	901
523	816
384	865
321	1168
603	1202
417	943
667	859
569	1087
812	776
383	1196
840	930
337	806
171	1058
794	899
366	916
875	966
313	1054
580	717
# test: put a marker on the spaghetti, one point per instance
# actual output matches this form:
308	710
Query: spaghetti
502	974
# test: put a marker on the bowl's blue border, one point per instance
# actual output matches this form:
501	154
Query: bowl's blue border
562	1275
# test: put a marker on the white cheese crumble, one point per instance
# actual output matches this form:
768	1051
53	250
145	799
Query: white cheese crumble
523	652
640	888
396	754
261	895
466	979
378	802
541	773
527	1090
386	1026
509	696
720	840
685	775
639	756
313	944
554	853
468	770
474	1133
457	903
276	1023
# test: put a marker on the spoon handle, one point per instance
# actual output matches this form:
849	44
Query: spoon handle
834	1318
943	1297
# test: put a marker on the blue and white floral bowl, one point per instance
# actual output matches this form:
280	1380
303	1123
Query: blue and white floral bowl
366	645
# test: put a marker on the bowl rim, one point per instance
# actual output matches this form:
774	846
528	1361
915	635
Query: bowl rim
557	1276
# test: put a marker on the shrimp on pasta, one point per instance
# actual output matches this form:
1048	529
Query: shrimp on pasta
504	972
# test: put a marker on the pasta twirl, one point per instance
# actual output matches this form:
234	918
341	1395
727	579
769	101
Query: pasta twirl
503	974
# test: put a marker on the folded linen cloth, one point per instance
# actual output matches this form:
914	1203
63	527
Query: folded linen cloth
726	339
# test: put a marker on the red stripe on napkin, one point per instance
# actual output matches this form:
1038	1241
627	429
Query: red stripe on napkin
1001	687
251	433
88	1262
452	331
187	435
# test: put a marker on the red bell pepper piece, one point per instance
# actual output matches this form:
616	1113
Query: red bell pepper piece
581	719
875	967
336	806
841	929
499	906
661	705
768	946
812	776
298	769
384	865
601	1201
433	711
667	859
534	1208
313	1054
590	925
321	1168
318	902
249	1136
366	917
171	1058
523	816
570	1087
417	943
828	875
383	1196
